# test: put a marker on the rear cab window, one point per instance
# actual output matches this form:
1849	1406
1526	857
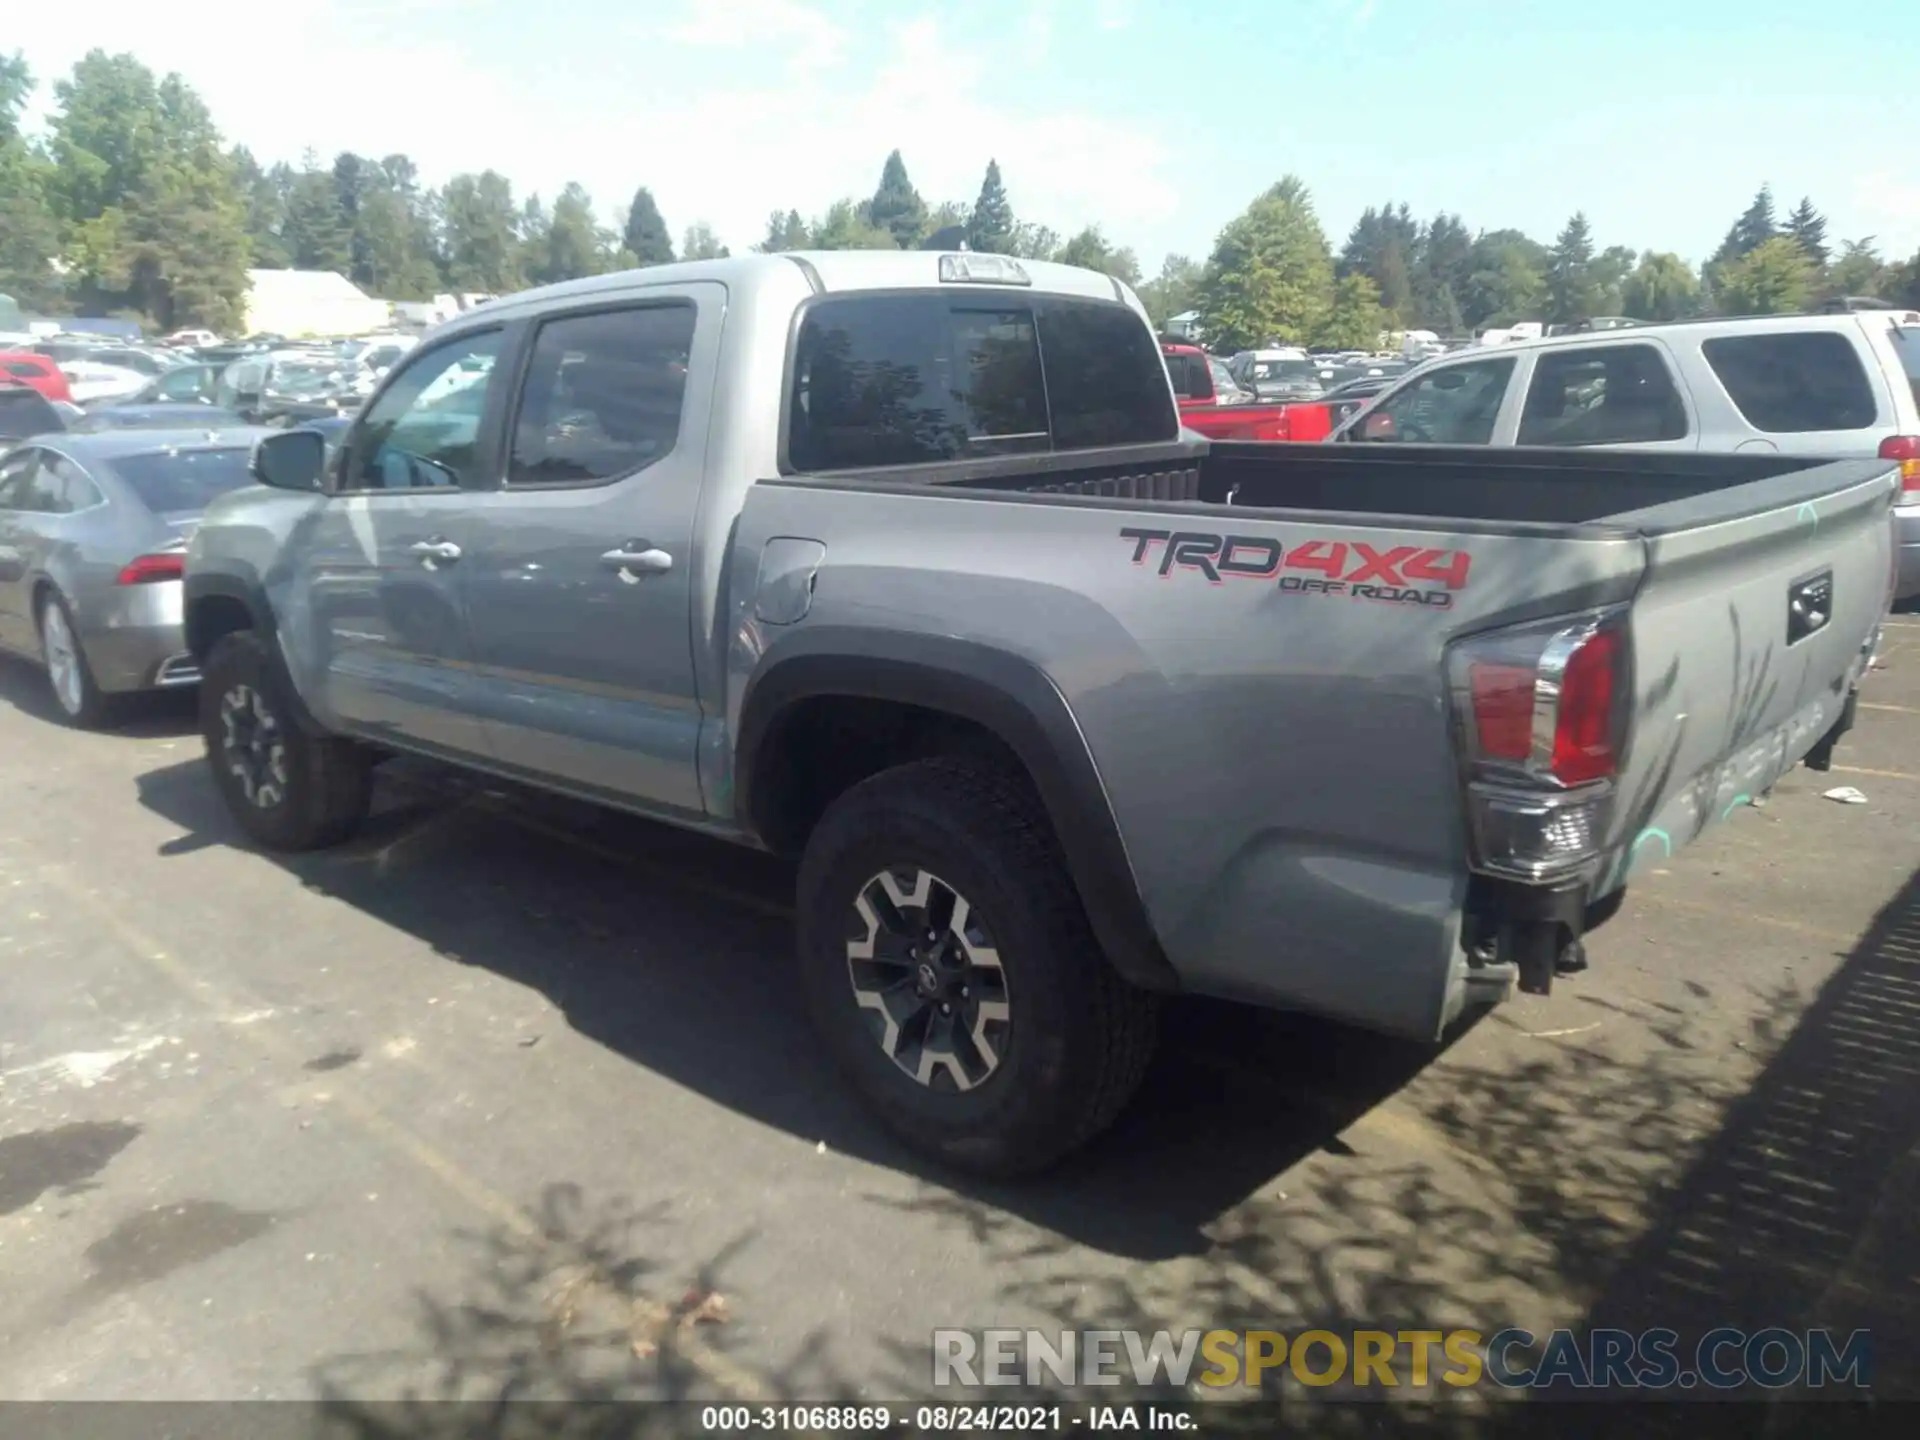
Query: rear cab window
916	379
1190	376
1602	395
1794	381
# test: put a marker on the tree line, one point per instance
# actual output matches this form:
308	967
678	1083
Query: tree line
133	204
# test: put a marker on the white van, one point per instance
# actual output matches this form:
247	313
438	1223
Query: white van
1837	385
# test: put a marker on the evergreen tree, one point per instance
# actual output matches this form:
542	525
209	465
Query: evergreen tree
576	247
646	236
785	231
1808	227
990	225
1571	290
1752	230
896	206
316	233
481	227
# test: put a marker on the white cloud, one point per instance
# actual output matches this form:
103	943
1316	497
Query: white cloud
1113	14
1886	206
811	38
716	123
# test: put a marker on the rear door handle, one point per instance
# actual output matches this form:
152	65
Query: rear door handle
433	552
637	558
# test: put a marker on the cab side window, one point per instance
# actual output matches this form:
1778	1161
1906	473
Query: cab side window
423	432
1602	395
603	395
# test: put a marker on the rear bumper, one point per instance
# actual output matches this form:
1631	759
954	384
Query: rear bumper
1906	540
135	639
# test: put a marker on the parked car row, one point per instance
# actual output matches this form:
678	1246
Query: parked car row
1834	385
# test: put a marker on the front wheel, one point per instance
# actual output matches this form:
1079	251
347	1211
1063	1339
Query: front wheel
952	971
288	789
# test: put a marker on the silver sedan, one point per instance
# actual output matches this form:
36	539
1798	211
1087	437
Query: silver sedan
93	538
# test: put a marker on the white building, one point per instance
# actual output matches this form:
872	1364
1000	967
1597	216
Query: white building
303	304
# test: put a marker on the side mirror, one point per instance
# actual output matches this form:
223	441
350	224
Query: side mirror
291	460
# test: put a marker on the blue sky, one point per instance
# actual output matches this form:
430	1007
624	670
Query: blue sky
1158	119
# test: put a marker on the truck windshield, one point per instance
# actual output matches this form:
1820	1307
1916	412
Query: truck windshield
1283	369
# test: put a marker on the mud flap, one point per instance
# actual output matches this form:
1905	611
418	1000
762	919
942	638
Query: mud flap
1820	757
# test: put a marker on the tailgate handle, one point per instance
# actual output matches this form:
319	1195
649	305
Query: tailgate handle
1809	606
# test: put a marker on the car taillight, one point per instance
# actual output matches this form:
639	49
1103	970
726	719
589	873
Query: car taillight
149	569
1905	449
1540	712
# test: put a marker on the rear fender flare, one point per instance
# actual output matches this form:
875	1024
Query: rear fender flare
1005	694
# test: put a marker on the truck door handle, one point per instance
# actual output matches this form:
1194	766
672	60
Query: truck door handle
432	551
639	558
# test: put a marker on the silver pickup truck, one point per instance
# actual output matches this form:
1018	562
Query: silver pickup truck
900	563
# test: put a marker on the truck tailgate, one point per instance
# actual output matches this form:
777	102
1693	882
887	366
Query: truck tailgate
1754	622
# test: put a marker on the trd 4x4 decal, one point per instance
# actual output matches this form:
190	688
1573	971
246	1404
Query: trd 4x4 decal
1398	575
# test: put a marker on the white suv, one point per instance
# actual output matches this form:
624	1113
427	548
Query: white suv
1840	385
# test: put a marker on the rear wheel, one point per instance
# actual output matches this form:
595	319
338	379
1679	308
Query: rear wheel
288	789
951	969
82	702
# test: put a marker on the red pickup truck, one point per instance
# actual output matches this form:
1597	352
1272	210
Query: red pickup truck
1205	410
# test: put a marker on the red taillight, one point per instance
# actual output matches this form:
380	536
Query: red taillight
1905	449
149	569
1583	740
1502	709
1539	711
1519	687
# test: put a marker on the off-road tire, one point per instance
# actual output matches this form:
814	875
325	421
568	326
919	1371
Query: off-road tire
1079	1037
328	781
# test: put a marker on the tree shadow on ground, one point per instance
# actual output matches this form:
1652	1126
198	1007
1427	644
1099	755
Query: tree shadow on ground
676	952
1595	1187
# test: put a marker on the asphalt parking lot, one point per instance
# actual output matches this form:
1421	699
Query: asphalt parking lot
512	1099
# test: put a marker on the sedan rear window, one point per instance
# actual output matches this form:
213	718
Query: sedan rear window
1793	382
174	481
